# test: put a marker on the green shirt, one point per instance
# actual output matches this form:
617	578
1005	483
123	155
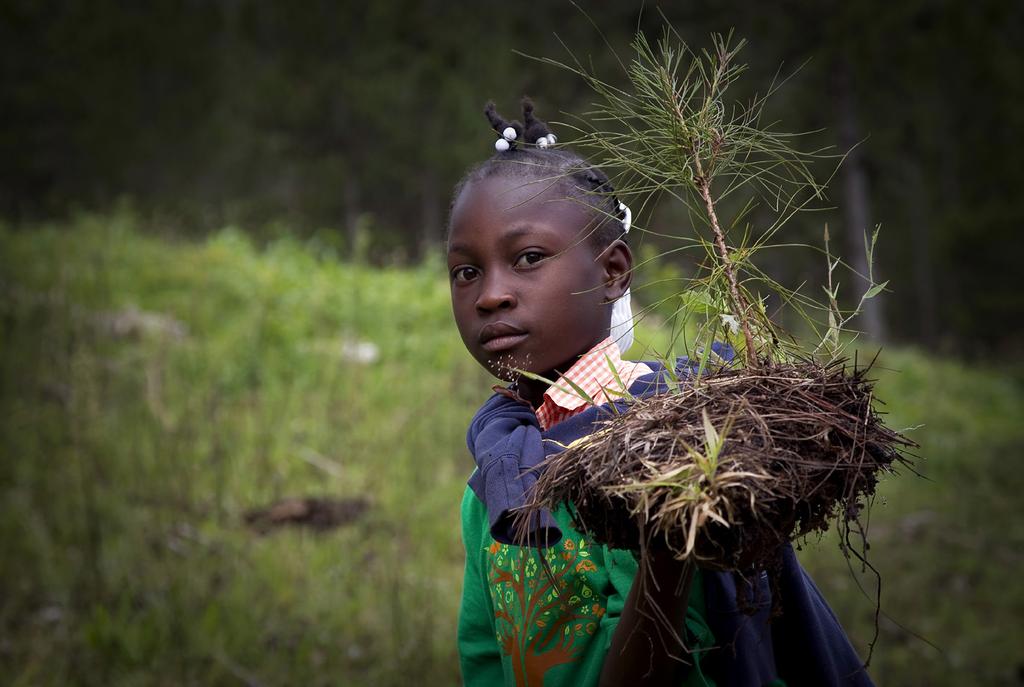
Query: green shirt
521	624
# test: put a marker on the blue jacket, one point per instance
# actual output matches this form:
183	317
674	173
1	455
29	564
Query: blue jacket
805	645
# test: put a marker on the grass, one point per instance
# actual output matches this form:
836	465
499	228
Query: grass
152	392
946	545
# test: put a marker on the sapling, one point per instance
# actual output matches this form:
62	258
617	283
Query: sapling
736	457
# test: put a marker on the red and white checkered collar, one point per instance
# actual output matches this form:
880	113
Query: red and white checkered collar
594	373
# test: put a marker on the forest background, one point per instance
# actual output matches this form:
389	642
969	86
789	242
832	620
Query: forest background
222	225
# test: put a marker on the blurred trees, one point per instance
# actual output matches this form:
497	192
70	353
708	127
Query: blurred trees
346	115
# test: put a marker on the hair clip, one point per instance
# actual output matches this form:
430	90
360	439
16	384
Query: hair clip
509	131
533	132
507	140
627	217
622	311
545	141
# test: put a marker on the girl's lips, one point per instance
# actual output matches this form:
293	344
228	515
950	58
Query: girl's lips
503	343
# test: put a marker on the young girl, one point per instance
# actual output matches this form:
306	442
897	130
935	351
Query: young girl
538	261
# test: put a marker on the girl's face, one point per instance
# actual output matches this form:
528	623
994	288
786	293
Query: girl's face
529	290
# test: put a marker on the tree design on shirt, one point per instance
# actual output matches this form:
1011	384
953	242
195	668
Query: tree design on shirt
539	617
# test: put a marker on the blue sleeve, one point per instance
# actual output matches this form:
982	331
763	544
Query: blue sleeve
507	446
805	645
810	645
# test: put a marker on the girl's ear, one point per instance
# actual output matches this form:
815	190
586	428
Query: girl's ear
617	262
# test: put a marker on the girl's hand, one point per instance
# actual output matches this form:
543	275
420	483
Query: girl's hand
646	647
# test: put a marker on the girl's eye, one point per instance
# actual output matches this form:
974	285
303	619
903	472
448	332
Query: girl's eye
464	274
529	258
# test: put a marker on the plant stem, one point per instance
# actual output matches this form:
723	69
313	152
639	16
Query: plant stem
739	303
703	184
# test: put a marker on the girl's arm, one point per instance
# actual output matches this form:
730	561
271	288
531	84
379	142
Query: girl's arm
643	651
479	654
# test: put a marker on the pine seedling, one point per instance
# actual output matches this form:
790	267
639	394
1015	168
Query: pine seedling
674	131
737	458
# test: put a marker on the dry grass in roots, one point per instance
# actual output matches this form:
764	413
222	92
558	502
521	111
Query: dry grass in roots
729	466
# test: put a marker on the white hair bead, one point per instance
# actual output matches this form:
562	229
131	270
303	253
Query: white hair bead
543	142
627	217
551	139
509	133
501	145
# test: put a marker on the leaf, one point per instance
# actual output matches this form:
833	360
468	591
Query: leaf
875	290
698	301
615	373
609	392
579	391
575	387
711	434
669	369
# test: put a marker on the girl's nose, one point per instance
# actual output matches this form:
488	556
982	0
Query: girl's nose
495	295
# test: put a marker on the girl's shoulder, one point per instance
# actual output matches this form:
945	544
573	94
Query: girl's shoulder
659	379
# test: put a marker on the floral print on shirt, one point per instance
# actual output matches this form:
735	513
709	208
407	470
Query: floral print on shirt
541	611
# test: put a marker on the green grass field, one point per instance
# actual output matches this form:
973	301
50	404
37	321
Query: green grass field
154	391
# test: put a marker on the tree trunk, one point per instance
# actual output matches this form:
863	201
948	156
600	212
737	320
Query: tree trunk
430	209
921	252
351	199
856	200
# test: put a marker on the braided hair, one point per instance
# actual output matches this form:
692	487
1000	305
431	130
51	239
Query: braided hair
536	161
